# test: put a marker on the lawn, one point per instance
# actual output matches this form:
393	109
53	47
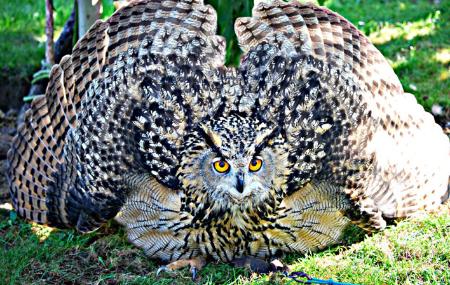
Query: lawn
412	252
413	35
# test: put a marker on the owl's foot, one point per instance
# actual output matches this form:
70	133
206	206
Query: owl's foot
196	265
259	265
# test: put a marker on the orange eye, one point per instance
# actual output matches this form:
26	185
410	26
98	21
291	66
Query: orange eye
255	164
221	166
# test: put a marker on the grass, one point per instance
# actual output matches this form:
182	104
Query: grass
412	252
414	37
22	44
22	33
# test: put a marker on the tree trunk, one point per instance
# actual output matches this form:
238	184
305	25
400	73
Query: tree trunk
64	43
88	13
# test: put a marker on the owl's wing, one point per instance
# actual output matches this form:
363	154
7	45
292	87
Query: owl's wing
343	111
117	106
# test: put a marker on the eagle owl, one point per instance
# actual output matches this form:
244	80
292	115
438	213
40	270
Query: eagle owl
144	123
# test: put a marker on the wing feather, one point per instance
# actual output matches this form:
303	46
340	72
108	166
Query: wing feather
388	155
68	163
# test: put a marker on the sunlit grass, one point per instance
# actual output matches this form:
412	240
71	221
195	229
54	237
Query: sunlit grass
406	31
413	252
414	38
41	231
443	55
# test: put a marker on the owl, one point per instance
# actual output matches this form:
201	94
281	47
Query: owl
144	123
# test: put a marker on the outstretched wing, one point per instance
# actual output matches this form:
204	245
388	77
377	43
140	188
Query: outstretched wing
344	111
118	105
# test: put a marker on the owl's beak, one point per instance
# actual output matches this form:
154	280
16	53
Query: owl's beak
240	182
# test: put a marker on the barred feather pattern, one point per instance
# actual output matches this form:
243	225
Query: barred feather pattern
52	161
129	116
383	153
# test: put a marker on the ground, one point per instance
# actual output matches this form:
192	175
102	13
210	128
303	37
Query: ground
414	37
412	252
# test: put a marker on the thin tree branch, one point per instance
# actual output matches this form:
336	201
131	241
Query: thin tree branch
49	51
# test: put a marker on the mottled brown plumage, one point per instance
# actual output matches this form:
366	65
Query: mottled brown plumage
136	120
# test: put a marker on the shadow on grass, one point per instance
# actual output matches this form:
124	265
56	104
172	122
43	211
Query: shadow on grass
19	58
32	254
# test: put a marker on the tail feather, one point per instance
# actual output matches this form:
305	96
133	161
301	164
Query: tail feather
38	130
31	164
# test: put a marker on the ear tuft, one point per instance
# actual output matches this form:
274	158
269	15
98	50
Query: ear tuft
263	135
215	138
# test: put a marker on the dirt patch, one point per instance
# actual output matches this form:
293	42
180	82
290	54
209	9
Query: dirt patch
12	89
4	191
7	132
103	261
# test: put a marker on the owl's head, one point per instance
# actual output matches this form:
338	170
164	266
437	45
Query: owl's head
232	163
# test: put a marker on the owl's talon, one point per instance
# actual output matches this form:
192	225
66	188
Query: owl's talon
195	264
194	272
161	269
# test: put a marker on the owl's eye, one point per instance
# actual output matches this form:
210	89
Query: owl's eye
255	164
221	166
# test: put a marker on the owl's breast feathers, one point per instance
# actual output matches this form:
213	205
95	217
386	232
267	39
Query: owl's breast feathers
157	220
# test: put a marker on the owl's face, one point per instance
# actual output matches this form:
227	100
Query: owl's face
233	163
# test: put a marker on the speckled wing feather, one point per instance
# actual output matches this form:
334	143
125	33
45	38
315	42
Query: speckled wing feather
345	113
70	158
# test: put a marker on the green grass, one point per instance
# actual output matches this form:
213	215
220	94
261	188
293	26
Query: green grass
22	33
22	44
413	252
